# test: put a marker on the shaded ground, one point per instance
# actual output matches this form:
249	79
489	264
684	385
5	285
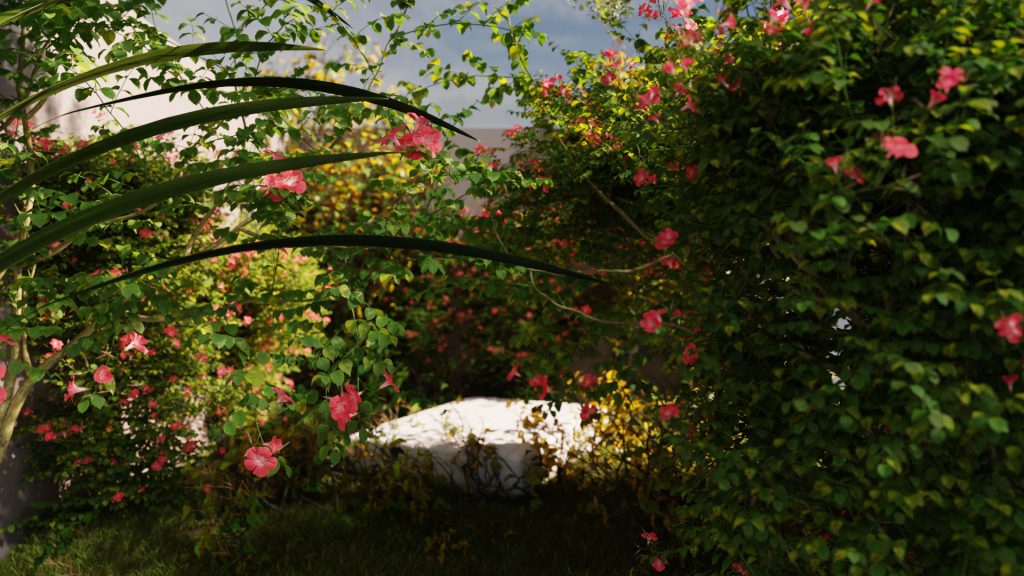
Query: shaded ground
513	537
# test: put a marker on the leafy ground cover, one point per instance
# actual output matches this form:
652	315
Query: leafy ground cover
465	536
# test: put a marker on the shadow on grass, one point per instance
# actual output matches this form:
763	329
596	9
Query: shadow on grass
472	536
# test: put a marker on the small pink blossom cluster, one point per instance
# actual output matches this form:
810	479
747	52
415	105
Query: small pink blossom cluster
345	405
413	143
290	180
949	78
1010	327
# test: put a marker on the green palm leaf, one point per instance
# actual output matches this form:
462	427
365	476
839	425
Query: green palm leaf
352	241
150	58
11	15
85	219
293	83
162	126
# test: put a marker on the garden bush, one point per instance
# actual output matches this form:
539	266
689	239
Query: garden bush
810	209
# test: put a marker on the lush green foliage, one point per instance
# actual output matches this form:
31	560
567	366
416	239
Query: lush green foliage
852	409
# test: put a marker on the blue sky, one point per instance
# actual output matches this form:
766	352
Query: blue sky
567	27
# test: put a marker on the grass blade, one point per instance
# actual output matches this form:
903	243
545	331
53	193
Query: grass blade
178	122
295	84
85	219
352	241
150	58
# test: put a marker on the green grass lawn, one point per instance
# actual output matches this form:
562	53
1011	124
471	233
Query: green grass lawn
471	536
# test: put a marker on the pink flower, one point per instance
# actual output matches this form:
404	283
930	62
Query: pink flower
587	411
690	355
899	147
102	375
691	105
159	463
3	394
513	372
854	173
1010	380
540	384
5	339
652	320
134	341
389	382
649	536
56	344
145	233
412	143
936	97
275	444
643	178
588	381
665	239
692	171
345	405
260	461
291	180
513	131
282	396
117	497
668	412
1009	327
670	262
950	78
658	564
834	162
171	331
73	389
889	96
739	569
548	83
649	98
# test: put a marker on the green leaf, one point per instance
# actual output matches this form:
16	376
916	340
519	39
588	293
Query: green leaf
157	56
294	84
85	219
347	241
13	14
97	401
999	425
83	405
165	125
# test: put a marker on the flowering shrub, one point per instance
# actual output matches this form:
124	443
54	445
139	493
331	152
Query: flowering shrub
840	303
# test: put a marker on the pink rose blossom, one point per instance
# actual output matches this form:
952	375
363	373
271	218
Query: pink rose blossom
56	344
668	412
102	375
652	320
649	98
275	444
834	162
936	97
665	239
658	564
540	384
588	411
1009	327
643	178
291	180
412	143
345	405
690	354
950	78
899	147
889	96
260	461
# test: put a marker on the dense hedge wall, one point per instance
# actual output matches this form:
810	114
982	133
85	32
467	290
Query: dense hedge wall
845	183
